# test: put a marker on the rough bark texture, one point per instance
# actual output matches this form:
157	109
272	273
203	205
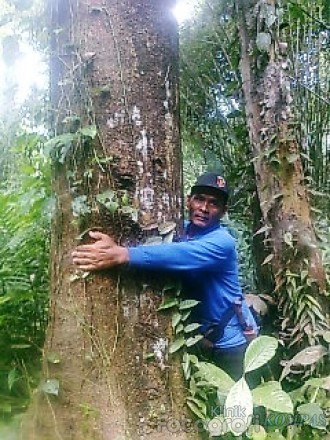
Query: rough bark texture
113	64
289	234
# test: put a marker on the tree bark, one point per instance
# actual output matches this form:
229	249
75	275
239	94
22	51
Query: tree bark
113	65
287	224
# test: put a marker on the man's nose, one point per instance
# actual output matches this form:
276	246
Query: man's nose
204	205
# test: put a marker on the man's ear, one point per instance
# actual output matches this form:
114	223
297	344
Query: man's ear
188	200
225	209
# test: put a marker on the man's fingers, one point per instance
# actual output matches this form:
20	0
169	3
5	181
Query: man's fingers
84	249
79	261
97	235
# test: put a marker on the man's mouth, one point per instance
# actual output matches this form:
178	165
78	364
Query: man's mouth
201	218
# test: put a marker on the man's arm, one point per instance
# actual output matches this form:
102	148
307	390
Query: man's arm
103	254
207	253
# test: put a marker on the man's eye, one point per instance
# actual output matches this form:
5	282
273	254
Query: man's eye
199	199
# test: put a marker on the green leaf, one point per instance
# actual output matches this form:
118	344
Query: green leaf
186	367
215	377
268	259
109	200
307	356
238	408
51	386
200	403
59	146
275	436
185	316
259	352
176	318
319	382
168	304
179	328
193	340
194	408
312	415
326	336
176	345
53	358
271	396
89	131
188	304
191	327
12	378
256	432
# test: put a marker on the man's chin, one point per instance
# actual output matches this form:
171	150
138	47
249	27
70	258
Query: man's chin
199	223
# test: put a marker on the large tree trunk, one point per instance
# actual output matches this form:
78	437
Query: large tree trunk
114	64
294	254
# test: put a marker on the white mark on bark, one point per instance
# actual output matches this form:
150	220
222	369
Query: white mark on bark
159	349
147	198
144	144
117	119
166	200
136	116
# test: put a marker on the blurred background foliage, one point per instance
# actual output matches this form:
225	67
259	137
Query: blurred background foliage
214	137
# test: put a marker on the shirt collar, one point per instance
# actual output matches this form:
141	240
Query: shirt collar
199	231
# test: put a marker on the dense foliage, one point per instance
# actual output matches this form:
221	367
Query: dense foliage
24	252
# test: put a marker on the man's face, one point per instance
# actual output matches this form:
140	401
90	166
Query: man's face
205	210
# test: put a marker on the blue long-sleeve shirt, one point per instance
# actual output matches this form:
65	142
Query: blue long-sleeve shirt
208	267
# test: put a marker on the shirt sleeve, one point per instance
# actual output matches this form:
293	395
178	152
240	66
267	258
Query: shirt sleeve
206	253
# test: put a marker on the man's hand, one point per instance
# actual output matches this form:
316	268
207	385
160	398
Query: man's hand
103	254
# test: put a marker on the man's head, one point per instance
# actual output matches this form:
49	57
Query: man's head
208	200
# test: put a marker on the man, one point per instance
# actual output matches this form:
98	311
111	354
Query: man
206	260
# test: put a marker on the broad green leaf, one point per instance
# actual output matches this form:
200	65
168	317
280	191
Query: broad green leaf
238	410
194	408
193	340
185	316
307	356
215	376
256	432
12	378
168	303
312	414
51	386
200	403
179	328
259	352
186	366
176	318
326	336
188	304
275	436
271	396
268	259
4	299
191	327
176	345
316	382
193	358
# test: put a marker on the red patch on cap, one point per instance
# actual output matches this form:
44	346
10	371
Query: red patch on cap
221	183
